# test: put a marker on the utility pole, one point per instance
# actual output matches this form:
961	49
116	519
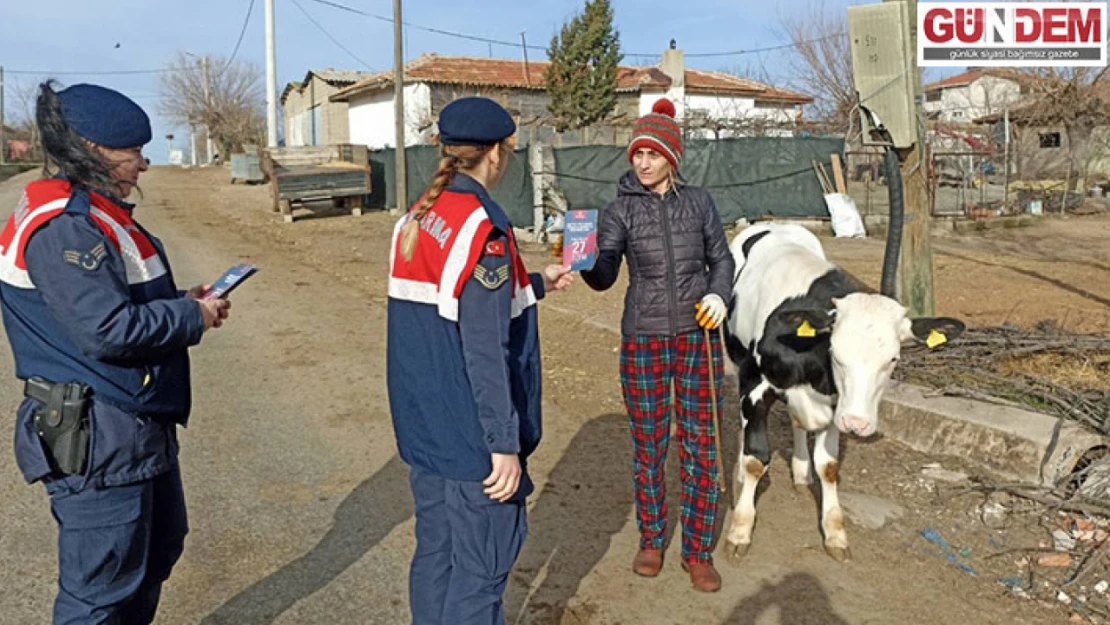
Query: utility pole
271	78
399	106
3	142
208	107
193	144
916	266
524	47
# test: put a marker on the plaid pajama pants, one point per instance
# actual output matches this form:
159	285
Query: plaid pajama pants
649	366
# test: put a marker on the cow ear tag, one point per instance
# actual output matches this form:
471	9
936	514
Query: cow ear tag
806	330
935	339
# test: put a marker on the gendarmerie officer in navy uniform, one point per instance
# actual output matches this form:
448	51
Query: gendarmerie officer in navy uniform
464	372
100	336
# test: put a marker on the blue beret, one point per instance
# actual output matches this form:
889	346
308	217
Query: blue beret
105	117
474	121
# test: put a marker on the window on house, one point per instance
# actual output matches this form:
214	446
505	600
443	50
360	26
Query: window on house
933	96
1050	139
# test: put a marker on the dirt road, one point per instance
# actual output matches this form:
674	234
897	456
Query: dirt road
299	507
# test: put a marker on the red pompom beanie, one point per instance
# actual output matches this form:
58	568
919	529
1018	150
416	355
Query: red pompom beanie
658	131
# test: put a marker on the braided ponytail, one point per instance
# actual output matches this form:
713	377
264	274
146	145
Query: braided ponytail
454	158
410	232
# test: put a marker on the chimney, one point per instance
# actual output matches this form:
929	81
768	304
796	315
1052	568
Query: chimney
674	66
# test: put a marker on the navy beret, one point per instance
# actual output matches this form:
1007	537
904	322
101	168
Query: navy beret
105	117
474	121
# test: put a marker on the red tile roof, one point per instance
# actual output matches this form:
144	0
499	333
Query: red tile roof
966	78
487	72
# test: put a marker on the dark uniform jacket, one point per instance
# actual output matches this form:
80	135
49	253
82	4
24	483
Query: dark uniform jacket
88	296
464	351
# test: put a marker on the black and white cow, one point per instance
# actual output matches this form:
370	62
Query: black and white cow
803	331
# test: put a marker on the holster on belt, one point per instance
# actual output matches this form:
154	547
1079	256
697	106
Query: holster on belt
62	422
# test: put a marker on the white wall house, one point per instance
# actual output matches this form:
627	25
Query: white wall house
372	120
310	117
712	104
966	97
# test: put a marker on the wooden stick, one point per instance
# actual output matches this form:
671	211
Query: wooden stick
716	417
820	180
838	173
828	181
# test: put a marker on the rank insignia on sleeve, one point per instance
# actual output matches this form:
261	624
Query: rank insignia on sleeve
89	260
495	248
492	279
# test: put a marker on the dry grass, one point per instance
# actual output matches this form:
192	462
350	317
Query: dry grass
1090	372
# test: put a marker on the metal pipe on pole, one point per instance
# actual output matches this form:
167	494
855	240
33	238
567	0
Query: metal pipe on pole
399	106
271	78
916	266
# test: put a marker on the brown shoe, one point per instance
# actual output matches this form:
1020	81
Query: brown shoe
703	576
648	562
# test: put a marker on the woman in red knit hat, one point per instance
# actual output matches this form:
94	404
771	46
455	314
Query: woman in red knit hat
680	279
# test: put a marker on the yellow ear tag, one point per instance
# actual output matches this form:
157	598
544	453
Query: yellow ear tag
935	338
806	330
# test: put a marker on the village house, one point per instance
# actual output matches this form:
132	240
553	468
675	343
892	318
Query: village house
712	104
964	97
1041	145
311	117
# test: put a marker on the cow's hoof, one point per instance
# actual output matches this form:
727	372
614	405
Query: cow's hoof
737	551
840	554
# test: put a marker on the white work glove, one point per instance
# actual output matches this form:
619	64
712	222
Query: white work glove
711	311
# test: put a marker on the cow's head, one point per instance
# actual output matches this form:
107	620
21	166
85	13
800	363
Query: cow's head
865	333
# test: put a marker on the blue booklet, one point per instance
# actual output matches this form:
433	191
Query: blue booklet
580	239
232	278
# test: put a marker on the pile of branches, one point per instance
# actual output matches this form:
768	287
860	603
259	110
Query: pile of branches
1043	369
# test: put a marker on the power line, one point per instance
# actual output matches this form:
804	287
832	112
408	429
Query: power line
329	36
242	32
510	44
383	18
438	31
767	49
117	72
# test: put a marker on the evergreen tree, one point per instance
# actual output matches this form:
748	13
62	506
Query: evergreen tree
582	78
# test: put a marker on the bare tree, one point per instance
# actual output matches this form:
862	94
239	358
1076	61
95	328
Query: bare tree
233	109
729	118
26	94
1072	101
822	61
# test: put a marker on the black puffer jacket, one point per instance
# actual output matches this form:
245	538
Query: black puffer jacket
676	250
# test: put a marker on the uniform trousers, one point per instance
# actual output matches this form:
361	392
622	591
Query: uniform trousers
116	546
466	544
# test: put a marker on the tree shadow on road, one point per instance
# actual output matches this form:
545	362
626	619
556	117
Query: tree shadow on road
364	518
587	500
799	598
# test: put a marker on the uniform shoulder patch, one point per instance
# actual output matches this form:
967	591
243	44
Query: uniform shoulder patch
495	248
90	260
492	279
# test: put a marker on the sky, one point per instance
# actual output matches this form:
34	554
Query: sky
69	39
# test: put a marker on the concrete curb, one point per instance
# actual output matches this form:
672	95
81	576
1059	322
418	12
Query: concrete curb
1008	442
